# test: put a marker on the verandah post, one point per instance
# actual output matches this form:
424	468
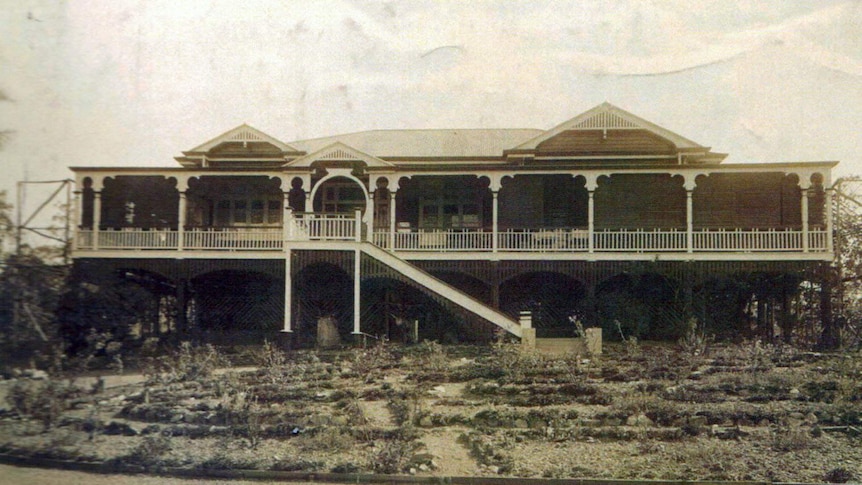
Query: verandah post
358	225
495	215
97	217
357	259
181	221
805	220
288	281
287	231
392	219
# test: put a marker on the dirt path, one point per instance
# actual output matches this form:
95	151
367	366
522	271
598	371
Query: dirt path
13	475
452	458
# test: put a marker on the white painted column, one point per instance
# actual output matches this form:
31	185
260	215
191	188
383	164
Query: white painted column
181	222
495	218
591	186
182	212
286	219
689	220
591	221
392	194
827	203
76	218
805	220
287	236
97	217
356	290
288	291
358	225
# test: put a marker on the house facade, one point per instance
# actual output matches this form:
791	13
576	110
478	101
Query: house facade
606	217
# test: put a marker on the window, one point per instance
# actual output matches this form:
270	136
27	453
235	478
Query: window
342	197
449	214
248	212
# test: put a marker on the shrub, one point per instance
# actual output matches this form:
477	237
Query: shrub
431	357
791	439
694	342
406	407
43	401
658	410
838	475
150	451
187	363
369	363
393	456
515	363
328	438
353	409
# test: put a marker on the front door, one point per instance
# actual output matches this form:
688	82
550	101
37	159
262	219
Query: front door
339	195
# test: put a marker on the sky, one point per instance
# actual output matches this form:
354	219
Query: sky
134	83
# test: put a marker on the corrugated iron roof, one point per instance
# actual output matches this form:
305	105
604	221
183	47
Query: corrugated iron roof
426	143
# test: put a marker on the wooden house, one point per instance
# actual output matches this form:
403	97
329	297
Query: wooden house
606	217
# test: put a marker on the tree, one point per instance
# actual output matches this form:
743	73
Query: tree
29	292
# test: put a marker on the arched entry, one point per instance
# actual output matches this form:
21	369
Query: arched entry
236	306
341	193
470	285
551	297
322	290
644	305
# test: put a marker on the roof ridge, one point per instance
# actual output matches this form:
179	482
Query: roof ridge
404	130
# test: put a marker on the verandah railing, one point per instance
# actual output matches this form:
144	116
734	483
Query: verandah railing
309	227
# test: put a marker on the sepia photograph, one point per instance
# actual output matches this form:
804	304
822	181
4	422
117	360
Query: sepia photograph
492	242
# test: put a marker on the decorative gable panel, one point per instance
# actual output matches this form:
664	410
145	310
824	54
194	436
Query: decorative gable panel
606	142
606	120
339	152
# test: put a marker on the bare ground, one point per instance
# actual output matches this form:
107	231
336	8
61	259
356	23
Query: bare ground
747	412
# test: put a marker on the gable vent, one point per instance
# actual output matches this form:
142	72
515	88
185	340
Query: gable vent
246	135
337	155
606	120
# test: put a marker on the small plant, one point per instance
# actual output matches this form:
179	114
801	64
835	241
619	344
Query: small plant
791	439
580	332
694	342
406	407
43	401
631	342
330	438
188	363
432	357
515	362
150	452
355	414
393	456
252	422
838	475
273	362
369	363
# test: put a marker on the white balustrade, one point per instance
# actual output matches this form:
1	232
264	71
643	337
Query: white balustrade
343	227
132	238
818	240
85	239
330	227
259	238
748	240
649	240
444	240
542	240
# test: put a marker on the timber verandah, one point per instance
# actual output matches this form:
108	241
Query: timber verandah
601	197
309	238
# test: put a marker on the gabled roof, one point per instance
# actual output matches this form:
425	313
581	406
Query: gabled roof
243	134
338	152
439	143
607	116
